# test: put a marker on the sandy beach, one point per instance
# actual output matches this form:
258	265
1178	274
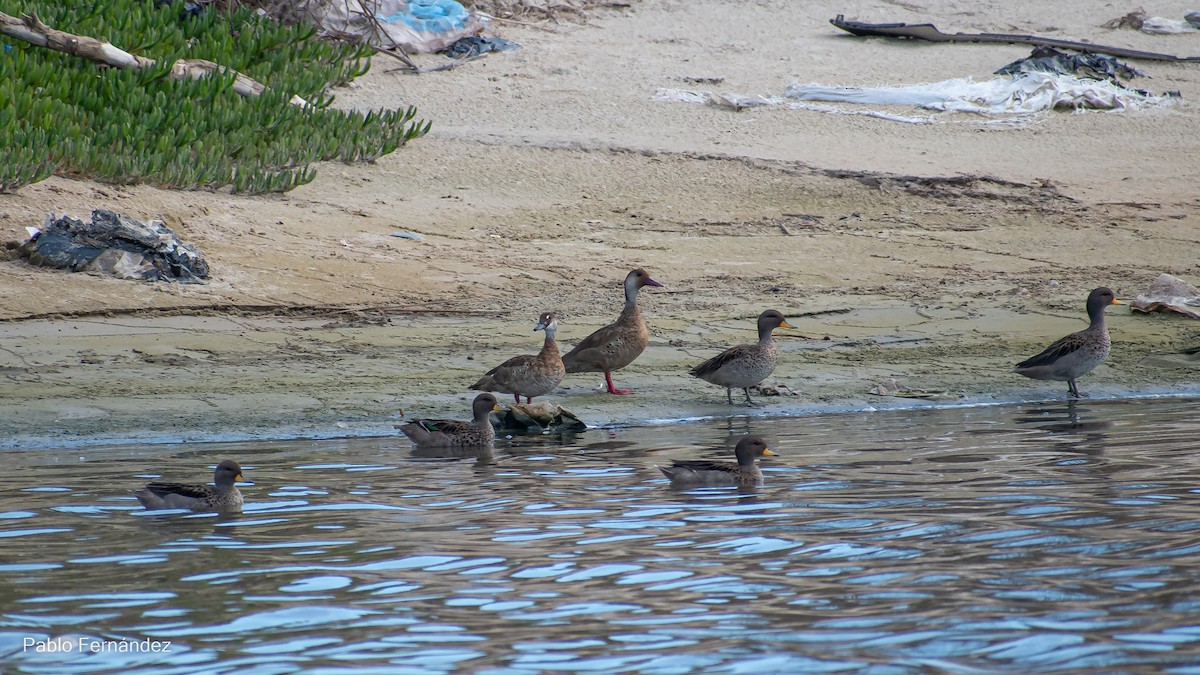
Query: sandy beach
933	254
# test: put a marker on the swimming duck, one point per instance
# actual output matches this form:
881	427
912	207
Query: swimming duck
223	497
1078	353
708	472
744	366
616	345
447	433
528	374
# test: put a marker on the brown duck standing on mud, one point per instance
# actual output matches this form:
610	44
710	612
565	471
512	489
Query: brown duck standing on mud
744	366
708	472
222	497
616	345
528	375
453	433
1078	353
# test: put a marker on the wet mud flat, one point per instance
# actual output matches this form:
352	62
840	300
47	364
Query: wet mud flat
219	377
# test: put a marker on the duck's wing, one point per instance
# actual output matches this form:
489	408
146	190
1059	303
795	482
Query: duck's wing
609	348
504	376
731	355
1060	348
705	466
190	491
448	427
601	339
513	369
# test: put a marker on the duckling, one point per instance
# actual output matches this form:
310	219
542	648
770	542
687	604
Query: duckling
616	345
223	497
448	433
697	472
1077	354
744	366
526	374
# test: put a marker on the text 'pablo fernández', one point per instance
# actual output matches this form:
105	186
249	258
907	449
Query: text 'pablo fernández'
93	645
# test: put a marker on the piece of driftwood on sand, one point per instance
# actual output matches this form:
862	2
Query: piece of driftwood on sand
31	29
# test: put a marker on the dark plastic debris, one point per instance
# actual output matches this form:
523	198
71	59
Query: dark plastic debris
1086	65
478	44
117	245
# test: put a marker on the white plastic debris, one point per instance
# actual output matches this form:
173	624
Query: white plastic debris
1157	25
1004	99
1029	93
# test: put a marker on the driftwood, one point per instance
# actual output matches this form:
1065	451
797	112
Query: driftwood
927	31
31	29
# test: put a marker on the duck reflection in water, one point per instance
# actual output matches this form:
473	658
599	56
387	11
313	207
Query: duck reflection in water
1072	426
482	454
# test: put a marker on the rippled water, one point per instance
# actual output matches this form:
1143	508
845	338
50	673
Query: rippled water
1011	539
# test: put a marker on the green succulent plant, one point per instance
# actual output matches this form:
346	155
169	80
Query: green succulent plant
65	115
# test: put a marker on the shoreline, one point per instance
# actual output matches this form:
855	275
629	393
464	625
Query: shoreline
157	440
204	379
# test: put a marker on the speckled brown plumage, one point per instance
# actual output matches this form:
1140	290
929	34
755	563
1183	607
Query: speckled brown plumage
528	375
222	497
744	366
450	433
616	345
1078	353
700	472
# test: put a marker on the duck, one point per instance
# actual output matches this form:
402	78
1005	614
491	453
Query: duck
453	433
744	366
222	497
616	345
708	472
1077	354
530	375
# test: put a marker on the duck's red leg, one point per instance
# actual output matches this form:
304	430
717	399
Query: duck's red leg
611	388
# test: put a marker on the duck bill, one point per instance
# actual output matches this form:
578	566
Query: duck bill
769	453
1118	302
784	324
651	282
242	479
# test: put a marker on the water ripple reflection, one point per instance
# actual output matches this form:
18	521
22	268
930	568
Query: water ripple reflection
1041	538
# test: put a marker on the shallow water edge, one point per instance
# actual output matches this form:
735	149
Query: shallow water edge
80	383
648	416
